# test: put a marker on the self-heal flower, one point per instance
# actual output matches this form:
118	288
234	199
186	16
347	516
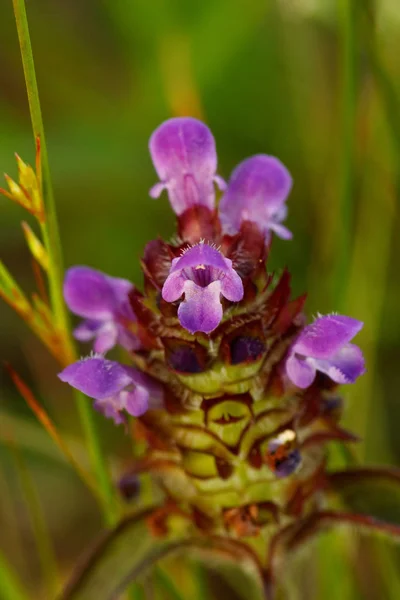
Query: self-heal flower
257	192
203	274
238	441
115	388
184	156
103	302
324	346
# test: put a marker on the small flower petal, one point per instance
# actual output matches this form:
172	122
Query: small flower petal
300	371
111	408
87	330
202	309
136	403
256	192
106	337
184	156
345	366
97	377
231	284
173	287
281	231
326	336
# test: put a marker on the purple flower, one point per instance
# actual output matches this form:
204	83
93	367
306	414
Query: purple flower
103	302
324	346
114	387
184	156
203	274
257	192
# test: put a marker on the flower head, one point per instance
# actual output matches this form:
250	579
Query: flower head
203	274
324	346
257	192
103	302
114	387
184	156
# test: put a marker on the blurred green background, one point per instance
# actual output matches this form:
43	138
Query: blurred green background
314	82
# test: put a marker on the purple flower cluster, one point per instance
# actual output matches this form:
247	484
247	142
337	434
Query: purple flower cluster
184	155
201	280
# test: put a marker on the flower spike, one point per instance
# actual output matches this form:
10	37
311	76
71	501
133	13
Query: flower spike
114	387
324	346
184	156
257	192
103	302
238	418
203	274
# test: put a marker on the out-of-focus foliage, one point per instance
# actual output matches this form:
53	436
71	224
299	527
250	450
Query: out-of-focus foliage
267	76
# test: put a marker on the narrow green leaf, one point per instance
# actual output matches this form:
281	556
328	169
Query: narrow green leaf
370	491
40	529
11	292
10	587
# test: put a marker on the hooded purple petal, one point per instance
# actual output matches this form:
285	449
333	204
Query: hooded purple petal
300	372
201	254
256	192
184	156
92	294
325	337
97	377
202	308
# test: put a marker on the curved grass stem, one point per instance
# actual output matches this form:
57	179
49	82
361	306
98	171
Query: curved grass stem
52	244
10	587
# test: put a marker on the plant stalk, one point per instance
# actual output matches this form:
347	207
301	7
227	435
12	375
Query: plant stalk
347	20
52	243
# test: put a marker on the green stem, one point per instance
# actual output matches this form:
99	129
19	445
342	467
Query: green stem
109	504
51	240
347	21
10	588
50	229
333	549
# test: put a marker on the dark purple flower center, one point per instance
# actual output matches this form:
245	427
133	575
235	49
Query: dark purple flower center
203	275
